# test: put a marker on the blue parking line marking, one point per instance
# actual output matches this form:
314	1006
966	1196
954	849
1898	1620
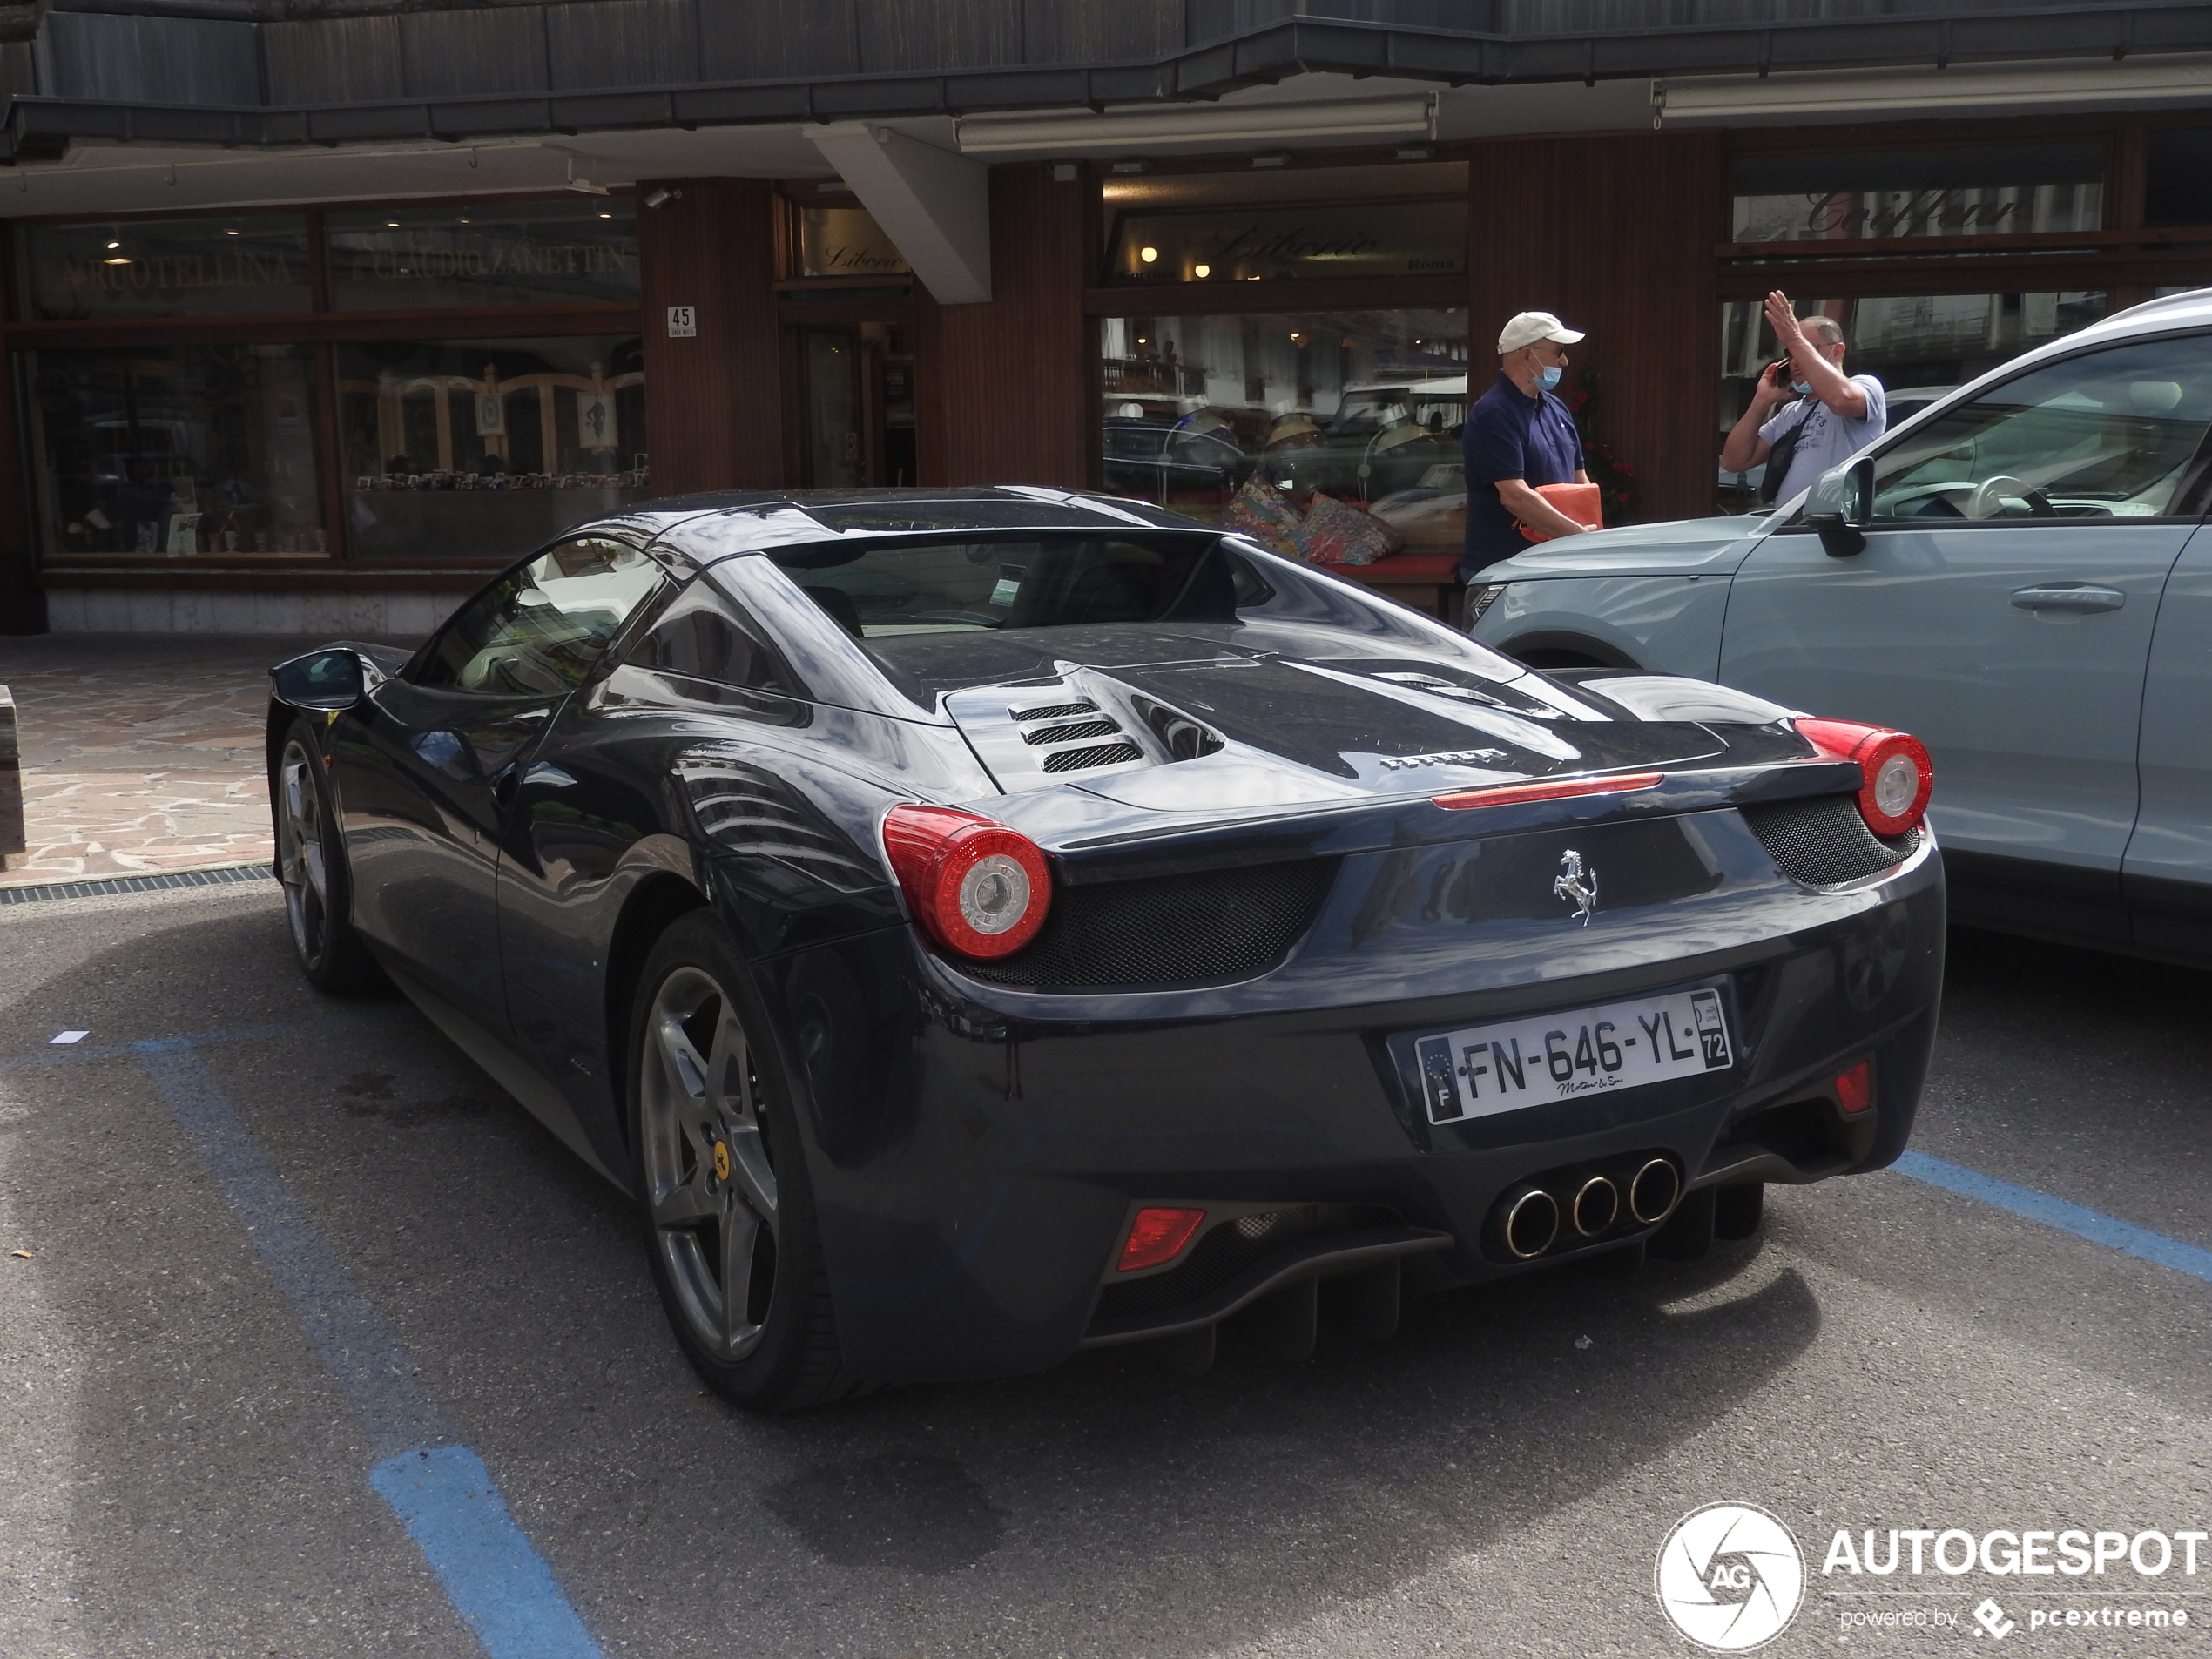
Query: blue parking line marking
357	1345
2139	1242
502	1588
442	1493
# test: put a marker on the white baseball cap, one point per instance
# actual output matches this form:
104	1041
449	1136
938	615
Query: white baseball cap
1532	325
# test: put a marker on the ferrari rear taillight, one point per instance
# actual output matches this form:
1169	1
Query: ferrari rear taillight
977	887
1895	775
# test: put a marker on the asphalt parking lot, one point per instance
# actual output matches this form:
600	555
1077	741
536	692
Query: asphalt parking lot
240	1275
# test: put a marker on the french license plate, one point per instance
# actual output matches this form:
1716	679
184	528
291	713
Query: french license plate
1490	1068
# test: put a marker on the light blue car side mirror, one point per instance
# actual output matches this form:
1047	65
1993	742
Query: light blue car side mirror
1836	506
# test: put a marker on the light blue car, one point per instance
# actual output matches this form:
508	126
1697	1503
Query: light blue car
2017	575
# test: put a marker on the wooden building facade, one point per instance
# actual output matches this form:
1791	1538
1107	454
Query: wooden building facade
286	414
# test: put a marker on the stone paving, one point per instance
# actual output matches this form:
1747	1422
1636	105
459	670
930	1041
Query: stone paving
141	753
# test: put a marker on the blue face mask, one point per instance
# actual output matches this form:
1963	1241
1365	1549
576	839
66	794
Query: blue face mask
1548	377
1802	388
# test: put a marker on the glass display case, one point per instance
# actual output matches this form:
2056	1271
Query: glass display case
488	448
485	448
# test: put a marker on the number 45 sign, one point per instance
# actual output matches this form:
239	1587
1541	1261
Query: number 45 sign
682	322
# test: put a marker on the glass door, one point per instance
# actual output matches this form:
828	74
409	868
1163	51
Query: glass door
859	415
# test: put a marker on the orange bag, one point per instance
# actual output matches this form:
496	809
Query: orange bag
1580	502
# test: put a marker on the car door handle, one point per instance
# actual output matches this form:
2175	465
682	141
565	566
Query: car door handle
2079	600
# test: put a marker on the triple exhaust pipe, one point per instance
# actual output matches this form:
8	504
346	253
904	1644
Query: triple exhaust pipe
1530	1219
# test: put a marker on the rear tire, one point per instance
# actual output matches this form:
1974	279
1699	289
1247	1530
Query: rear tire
311	863
724	1195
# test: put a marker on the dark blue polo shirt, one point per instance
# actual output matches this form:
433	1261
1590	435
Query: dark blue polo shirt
1510	435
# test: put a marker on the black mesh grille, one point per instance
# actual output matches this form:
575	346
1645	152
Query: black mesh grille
1226	1251
1099	728
1195	929
1821	839
1103	754
1056	711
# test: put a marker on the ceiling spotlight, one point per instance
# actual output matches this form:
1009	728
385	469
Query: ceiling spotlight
230	232
1201	270
606	215
115	261
1148	254
391	223
113	245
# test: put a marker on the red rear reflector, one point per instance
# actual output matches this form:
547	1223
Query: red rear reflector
1620	783
1157	1236
1855	1088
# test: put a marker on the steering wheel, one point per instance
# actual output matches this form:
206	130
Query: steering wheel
1988	499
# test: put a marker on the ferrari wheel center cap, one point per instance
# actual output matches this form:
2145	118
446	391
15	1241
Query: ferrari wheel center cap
721	1161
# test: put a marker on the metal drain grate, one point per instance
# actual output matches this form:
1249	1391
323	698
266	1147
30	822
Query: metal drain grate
102	887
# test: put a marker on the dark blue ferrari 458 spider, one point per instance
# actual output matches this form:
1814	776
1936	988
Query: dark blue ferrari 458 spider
981	924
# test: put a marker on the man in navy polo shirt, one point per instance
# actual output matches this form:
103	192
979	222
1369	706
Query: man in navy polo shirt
1518	437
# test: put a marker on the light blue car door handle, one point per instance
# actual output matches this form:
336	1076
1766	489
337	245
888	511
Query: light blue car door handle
2068	597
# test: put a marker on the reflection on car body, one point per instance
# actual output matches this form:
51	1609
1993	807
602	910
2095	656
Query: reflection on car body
982	924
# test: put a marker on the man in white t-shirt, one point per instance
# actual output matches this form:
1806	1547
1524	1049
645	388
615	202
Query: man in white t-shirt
1824	417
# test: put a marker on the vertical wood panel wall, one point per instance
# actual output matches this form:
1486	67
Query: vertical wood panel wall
713	404
1616	234
1007	392
23	606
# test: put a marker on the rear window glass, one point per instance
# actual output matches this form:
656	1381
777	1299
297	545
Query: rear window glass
881	590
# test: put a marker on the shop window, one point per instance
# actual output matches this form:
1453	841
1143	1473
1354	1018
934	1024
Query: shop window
485	448
1407	220
1993	189
832	239
1920	346
170	267
512	254
2179	183
175	450
1365	406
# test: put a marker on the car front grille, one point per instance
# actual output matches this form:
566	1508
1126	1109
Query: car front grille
1205	927
1822	841
1227	1249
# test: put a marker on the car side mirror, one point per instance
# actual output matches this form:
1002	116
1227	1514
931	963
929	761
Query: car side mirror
323	681
1836	506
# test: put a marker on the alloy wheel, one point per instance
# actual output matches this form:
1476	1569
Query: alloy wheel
709	1178
300	865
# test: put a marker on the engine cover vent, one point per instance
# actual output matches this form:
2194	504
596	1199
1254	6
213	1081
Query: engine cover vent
1087	724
